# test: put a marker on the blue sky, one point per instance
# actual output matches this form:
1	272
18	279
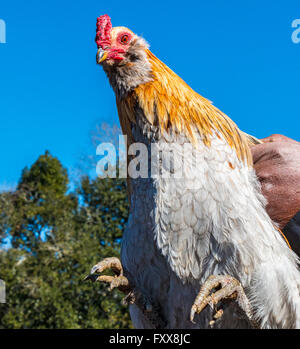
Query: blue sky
238	54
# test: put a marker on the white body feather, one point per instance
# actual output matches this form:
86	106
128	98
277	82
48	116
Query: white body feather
178	235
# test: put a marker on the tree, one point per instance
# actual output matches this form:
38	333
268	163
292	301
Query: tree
56	236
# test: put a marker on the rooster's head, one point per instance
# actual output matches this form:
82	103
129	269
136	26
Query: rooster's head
123	56
116	45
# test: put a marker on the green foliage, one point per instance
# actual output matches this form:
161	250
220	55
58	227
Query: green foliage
56	237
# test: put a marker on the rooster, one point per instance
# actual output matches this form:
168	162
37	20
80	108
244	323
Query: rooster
204	231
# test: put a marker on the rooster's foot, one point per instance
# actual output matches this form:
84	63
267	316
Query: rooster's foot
133	295
118	281
229	288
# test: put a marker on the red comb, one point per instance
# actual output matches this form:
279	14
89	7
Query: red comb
103	31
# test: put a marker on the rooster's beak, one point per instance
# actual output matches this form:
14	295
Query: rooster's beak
101	55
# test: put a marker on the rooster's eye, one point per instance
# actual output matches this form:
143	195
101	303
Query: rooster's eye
124	39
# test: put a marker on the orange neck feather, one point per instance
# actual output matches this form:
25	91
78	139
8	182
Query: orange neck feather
169	101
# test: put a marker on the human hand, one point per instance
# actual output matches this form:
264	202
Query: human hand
277	165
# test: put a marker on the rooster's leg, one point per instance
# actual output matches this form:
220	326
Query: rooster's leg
133	296
230	288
